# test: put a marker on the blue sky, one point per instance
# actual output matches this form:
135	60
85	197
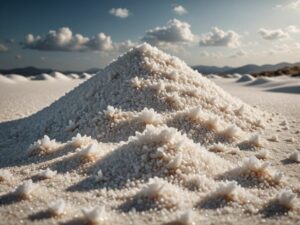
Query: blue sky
209	32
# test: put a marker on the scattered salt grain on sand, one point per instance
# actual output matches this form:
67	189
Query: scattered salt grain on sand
295	156
26	190
57	208
47	174
5	175
96	216
287	198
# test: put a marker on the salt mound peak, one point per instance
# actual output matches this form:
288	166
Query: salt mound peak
142	78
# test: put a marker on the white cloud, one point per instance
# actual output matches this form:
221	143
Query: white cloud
100	42
294	5
174	32
119	12
64	40
179	9
124	46
273	34
293	29
218	37
3	48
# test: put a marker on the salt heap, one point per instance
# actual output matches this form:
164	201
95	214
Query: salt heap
143	78
144	123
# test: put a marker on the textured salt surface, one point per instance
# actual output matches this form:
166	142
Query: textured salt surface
145	123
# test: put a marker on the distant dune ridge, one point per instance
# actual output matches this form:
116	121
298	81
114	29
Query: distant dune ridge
246	69
287	70
32	71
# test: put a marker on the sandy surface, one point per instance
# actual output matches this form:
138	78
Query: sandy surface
21	99
278	97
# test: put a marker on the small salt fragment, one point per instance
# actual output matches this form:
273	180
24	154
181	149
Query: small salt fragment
255	141
291	140
274	138
95	216
57	207
263	154
43	146
230	132
26	189
5	175
186	218
175	163
99	177
80	141
283	123
149	116
227	190
89	153
287	198
47	174
240	110
295	156
219	147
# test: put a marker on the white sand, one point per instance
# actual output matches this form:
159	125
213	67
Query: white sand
20	99
193	180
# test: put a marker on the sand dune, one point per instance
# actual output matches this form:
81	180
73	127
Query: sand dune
43	77
261	81
59	76
6	80
245	78
73	76
17	78
85	76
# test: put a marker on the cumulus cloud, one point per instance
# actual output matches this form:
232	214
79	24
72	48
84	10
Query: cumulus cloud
179	9
294	5
100	42
174	32
119	12
3	48
273	34
64	40
218	37
124	46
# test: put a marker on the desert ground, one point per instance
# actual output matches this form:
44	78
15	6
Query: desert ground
267	193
